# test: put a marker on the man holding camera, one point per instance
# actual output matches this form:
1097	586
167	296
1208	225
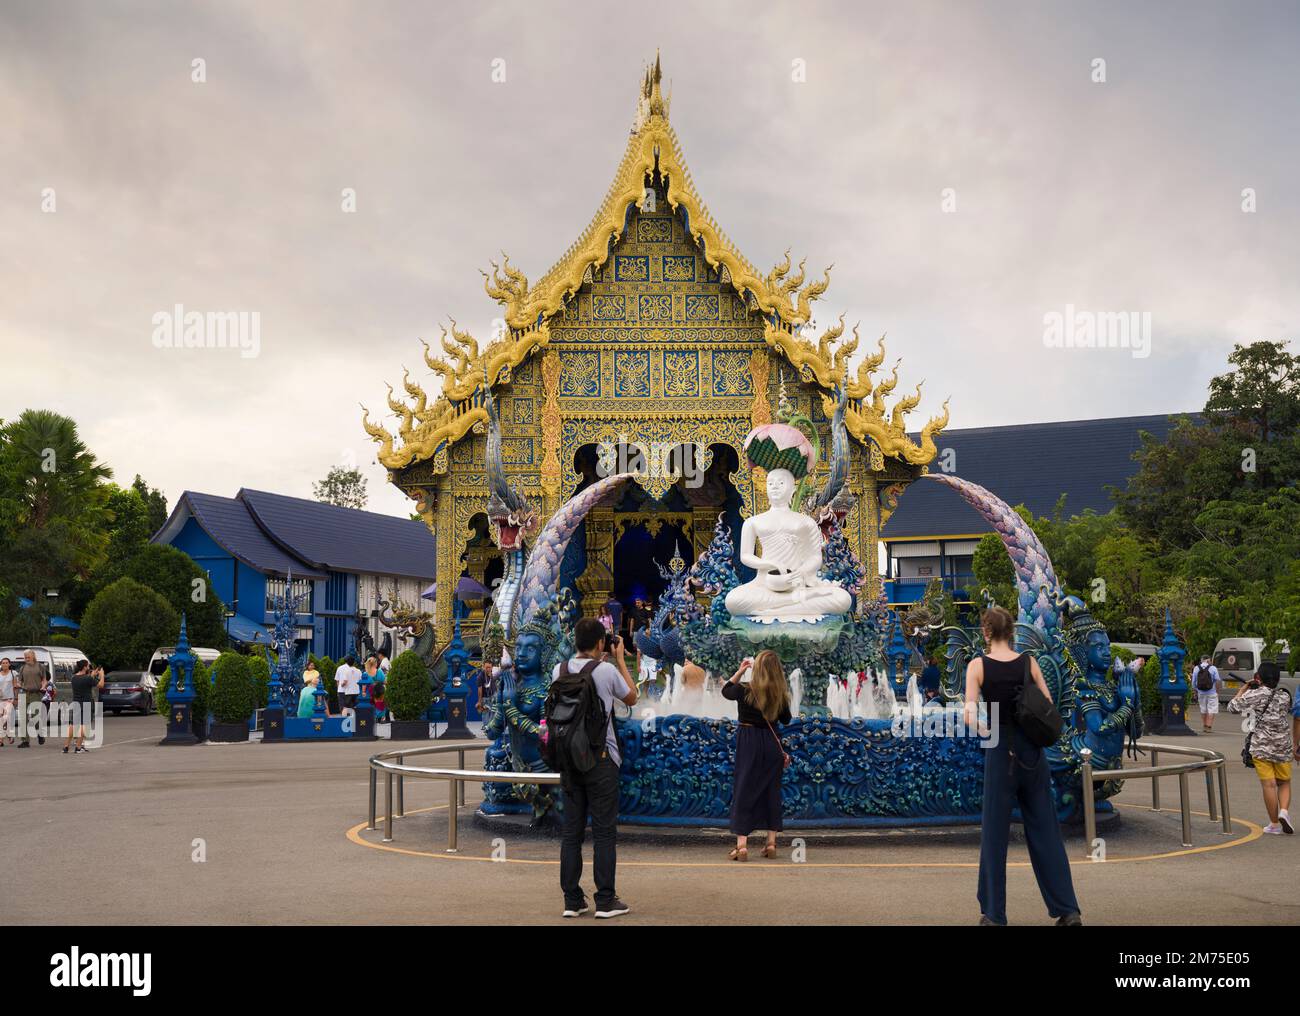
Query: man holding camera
1269	729
595	793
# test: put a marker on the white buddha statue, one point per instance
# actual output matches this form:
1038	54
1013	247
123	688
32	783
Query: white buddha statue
787	587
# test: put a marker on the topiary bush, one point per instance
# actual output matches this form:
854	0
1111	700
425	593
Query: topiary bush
260	671
61	639
234	695
326	666
1148	681
125	623
409	689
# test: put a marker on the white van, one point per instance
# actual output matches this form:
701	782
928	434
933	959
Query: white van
158	664
1237	659
59	662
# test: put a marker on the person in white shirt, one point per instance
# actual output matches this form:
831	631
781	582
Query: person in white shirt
348	680
1207	697
6	700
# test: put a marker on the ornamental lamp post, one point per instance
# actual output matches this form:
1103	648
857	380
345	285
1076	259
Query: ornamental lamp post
456	689
179	693
1173	685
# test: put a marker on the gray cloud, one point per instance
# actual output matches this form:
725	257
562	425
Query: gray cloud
226	195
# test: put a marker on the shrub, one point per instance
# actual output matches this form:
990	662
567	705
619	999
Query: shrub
408	690
326	666
125	623
260	672
60	639
234	695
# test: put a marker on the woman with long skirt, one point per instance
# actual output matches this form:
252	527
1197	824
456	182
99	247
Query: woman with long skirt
1016	774
760	756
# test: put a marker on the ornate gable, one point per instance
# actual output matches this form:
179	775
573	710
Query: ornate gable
653	263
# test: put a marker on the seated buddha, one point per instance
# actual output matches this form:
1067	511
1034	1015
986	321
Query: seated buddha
787	586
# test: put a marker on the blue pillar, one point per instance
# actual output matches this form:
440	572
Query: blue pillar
456	688
179	693
1173	685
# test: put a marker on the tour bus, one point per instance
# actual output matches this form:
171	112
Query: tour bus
59	662
1237	659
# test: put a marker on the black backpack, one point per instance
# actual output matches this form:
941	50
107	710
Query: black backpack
575	722
1036	716
1204	679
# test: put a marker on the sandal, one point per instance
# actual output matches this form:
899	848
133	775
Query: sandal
738	854
769	851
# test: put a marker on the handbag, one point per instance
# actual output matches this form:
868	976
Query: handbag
1036	716
1246	758
785	757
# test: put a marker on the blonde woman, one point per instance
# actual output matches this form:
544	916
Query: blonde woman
307	697
760	756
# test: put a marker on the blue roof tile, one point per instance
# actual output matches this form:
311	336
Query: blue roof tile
228	522
1031	464
344	539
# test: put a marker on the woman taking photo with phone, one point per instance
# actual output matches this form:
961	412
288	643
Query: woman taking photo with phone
1016	774
760	756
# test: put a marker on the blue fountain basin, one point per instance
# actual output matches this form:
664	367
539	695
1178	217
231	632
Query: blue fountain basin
677	771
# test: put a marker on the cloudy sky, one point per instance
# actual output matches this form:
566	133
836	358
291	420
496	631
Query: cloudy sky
127	188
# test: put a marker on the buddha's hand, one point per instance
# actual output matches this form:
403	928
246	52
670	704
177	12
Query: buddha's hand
506	690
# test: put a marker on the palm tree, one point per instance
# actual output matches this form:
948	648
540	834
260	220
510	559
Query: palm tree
56	490
55	472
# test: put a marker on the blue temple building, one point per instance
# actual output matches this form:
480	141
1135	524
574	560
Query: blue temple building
933	532
347	560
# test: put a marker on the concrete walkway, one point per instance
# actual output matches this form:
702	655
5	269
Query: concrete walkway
115	836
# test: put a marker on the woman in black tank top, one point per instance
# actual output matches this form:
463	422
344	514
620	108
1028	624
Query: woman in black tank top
1016	775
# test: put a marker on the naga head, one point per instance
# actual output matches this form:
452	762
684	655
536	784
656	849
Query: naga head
509	513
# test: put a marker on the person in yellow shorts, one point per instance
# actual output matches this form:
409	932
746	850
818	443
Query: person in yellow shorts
1267	711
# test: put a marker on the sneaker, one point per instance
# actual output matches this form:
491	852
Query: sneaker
82	750
1273	829
613	908
575	911
65	749
1285	821
39	738
1069	921
988	922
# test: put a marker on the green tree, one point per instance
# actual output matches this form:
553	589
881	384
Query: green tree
994	572
52	518
125	623
176	577
343	487
155	504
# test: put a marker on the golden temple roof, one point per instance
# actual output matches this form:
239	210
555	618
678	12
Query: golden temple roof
784	296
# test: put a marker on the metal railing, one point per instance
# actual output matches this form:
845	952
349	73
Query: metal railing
1209	762
456	779
393	765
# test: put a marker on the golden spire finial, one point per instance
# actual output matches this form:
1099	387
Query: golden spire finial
657	107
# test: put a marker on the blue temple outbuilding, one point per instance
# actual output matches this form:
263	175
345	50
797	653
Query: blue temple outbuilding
343	561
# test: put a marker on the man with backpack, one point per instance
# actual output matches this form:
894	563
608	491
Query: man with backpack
581	744
1206	681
